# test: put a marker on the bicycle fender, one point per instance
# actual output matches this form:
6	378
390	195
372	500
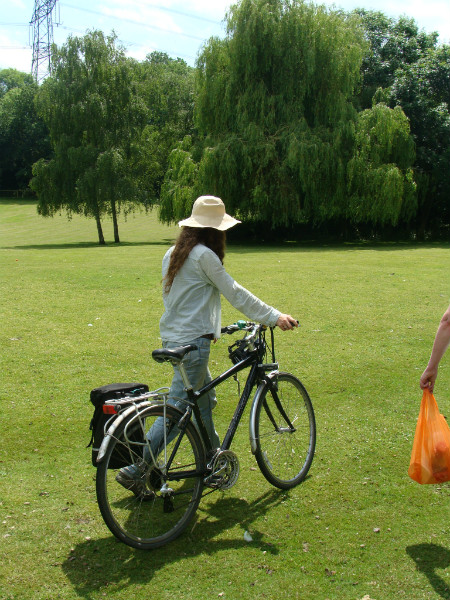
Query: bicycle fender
113	427
267	382
121	418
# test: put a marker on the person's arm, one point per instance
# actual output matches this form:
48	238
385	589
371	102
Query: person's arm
440	345
241	298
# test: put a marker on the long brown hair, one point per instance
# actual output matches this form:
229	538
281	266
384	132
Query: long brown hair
189	237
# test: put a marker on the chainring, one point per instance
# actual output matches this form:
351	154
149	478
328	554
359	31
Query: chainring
224	471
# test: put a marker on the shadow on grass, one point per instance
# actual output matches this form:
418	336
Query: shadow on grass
8	200
429	558
93	565
247	248
295	247
76	245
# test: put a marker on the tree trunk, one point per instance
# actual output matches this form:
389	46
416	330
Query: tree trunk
101	239
115	224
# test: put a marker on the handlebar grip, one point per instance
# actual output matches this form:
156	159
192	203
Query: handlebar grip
240	325
228	329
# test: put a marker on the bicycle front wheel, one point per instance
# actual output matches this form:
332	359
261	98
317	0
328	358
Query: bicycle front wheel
284	431
169	493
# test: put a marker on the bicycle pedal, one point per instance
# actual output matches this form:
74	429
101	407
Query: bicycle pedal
213	482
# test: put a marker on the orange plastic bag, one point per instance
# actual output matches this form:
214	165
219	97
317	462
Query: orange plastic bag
430	457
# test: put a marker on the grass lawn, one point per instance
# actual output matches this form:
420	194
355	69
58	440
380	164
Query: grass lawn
75	315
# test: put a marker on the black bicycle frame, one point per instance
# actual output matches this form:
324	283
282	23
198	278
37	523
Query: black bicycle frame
194	396
257	371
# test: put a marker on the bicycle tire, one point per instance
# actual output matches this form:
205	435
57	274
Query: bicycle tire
285	432
150	523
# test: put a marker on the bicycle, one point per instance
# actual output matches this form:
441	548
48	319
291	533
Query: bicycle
175	474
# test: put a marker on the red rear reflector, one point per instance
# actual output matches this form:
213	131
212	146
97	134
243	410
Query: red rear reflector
109	409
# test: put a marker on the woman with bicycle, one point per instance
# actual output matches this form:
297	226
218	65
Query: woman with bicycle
193	280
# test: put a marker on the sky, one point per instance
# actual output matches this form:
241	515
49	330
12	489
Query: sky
177	27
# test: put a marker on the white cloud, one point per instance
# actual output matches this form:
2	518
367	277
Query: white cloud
431	16
211	9
20	4
139	52
144	16
208	9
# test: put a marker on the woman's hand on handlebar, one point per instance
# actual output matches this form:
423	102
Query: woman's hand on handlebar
286	322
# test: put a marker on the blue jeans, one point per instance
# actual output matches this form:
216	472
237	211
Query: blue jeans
196	365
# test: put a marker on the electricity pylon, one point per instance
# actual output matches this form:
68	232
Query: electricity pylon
42	23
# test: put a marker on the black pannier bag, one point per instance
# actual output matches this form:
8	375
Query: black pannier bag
98	398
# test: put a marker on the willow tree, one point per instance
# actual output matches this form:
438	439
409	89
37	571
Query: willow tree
274	111
381	186
95	116
179	182
280	139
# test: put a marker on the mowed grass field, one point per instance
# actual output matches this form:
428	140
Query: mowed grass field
75	315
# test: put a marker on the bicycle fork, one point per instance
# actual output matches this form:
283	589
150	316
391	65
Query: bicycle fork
269	381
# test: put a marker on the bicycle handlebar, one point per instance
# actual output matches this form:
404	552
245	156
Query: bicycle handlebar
239	326
242	326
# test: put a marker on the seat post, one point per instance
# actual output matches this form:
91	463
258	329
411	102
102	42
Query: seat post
184	377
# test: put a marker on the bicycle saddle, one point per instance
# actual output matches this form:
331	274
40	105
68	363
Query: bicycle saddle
173	354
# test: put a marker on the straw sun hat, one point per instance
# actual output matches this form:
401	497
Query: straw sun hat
209	211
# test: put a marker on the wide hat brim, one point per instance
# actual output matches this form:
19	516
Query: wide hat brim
222	224
209	211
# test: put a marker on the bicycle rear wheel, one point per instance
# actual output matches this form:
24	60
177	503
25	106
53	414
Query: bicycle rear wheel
171	494
284	431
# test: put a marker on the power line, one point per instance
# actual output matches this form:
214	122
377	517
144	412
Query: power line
127	43
133	22
159	7
184	14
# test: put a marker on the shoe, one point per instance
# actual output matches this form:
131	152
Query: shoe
137	486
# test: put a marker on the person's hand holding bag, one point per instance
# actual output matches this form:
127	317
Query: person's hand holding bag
430	457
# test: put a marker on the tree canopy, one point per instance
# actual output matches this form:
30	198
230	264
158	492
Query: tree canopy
96	119
279	137
300	116
407	68
113	122
12	78
24	137
422	89
393	44
167	88
381	188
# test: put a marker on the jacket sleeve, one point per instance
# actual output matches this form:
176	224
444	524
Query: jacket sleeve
239	297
